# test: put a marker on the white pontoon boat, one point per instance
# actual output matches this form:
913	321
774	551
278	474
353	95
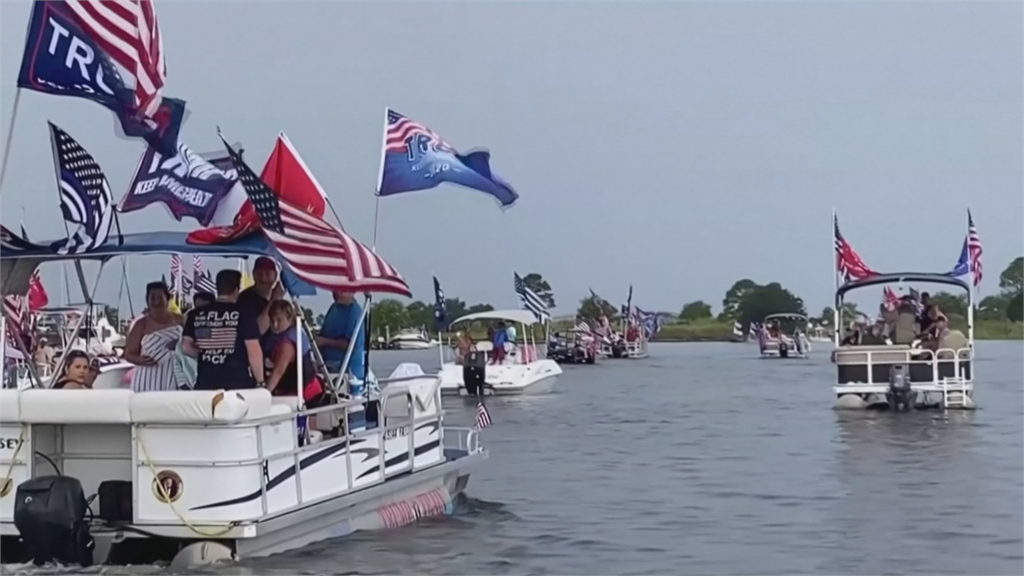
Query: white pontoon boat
905	375
781	336
411	339
201	475
522	371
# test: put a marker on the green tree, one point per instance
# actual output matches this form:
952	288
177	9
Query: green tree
1012	279
733	296
950	303
540	286
827	316
993	307
592	308
692	311
1015	308
389	313
479	308
760	301
419	314
849	311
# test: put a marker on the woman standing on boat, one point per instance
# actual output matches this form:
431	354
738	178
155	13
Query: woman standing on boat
151	342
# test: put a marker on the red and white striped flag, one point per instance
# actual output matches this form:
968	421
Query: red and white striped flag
974	249
315	250
129	33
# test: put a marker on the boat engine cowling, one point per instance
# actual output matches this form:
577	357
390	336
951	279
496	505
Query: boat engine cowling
900	394
49	513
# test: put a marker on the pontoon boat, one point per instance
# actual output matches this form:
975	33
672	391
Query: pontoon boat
521	372
200	475
781	336
905	375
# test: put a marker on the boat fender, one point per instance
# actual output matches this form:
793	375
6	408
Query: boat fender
201	553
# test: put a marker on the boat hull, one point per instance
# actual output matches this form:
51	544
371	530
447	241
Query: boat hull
506	380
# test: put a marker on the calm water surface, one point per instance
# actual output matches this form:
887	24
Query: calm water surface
704	459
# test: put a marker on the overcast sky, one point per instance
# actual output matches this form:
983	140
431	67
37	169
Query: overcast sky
674	146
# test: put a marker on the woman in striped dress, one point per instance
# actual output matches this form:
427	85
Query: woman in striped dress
151	342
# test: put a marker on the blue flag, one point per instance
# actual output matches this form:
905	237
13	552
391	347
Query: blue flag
415	158
60	58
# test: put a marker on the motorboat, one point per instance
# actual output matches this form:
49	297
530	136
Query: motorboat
818	333
573	347
781	336
411	339
195	476
521	372
904	375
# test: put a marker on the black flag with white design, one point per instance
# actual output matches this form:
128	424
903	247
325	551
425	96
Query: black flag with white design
85	198
440	308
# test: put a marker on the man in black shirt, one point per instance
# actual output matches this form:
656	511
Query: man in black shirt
256	299
225	340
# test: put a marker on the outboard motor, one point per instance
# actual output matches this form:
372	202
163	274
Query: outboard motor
900	395
49	513
474	372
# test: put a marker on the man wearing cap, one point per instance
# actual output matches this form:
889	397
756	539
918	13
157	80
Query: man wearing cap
266	288
339	328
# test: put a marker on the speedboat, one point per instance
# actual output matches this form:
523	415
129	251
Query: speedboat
905	376
411	339
196	476
781	337
573	348
521	372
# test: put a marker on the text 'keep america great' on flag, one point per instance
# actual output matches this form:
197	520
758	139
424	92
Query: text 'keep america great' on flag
315	250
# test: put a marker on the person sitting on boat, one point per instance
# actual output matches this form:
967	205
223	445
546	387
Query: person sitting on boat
75	375
337	331
905	329
185	365
266	288
873	336
774	331
225	339
853	336
938	328
633	333
498	343
280	358
152	341
43	356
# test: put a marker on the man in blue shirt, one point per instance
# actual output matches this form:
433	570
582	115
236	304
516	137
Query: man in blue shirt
338	330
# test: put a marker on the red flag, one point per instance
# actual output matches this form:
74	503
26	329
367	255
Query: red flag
291	179
37	296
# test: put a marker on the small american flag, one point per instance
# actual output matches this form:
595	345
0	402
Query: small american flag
129	33
201	278
483	417
85	197
582	327
316	251
889	299
974	249
216	338
183	288
401	129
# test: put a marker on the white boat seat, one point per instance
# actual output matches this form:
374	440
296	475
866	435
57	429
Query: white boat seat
882	354
48	406
200	406
291	403
279	408
10	405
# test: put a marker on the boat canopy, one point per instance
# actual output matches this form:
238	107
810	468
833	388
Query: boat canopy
786	315
518	316
900	278
18	265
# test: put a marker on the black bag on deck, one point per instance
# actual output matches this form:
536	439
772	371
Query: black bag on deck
49	513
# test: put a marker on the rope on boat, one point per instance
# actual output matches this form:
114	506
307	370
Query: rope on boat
167	498
7	482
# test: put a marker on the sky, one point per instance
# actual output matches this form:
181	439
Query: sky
677	147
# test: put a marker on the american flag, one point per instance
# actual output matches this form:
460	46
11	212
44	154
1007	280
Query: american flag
184	288
216	338
530	300
85	197
974	249
129	33
889	299
848	262
316	251
400	129
16	309
582	327
201	279
483	417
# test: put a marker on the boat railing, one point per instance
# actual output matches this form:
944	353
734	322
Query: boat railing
903	354
462	439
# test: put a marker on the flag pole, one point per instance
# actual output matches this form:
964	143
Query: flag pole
835	279
10	136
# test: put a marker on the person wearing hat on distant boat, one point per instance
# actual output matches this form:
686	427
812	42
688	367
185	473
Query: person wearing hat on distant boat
266	288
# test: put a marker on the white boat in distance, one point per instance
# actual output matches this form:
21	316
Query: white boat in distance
780	344
195	476
522	371
412	339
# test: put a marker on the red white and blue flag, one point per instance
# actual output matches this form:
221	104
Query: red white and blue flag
483	417
970	255
848	262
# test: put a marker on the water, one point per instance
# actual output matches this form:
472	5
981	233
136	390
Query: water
704	459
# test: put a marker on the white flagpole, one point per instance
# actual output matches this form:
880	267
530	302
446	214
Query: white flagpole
10	137
835	281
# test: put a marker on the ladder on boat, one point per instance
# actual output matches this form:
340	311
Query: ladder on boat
954	392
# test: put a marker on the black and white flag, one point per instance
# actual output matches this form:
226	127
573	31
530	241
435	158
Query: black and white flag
85	198
530	300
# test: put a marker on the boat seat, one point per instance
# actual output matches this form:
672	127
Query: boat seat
48	406
882	354
200	406
290	403
10	405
